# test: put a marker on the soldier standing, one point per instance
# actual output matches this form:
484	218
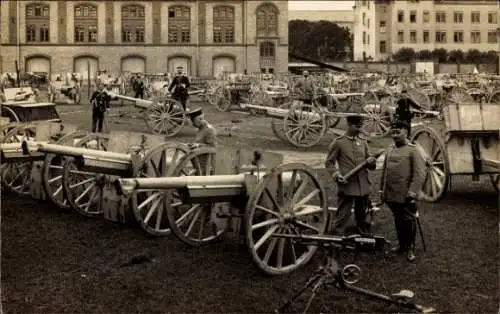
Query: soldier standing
179	87
305	87
206	132
139	87
100	102
402	177
348	151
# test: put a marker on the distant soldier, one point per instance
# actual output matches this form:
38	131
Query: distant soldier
139	87
206	132
403	109
305	88
179	87
100	103
402	177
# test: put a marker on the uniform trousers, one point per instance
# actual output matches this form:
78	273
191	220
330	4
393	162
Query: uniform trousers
343	214
182	99
405	223
97	119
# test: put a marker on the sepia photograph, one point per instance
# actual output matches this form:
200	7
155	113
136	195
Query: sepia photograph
249	156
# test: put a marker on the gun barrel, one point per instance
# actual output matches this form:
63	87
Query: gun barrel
139	103
80	152
318	238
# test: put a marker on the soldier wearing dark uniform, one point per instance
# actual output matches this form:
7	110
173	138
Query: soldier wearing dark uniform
403	174
348	151
305	88
139	87
179	87
100	102
403	109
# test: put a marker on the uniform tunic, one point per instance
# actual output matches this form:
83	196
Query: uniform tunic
305	87
207	135
403	172
349	152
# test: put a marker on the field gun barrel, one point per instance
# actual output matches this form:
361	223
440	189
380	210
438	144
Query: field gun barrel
82	152
139	103
23	151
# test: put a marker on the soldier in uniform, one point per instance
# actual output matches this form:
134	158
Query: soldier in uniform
403	174
100	102
138	87
206	132
347	152
305	87
179	87
403	109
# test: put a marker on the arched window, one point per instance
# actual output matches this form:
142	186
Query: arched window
133	22
37	22
86	23
179	24
223	22
267	20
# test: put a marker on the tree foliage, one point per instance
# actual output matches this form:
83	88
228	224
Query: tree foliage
424	55
457	56
322	40
440	54
404	55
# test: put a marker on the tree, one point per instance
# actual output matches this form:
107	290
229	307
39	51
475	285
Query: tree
491	56
322	40
404	55
424	55
473	56
457	56
440	54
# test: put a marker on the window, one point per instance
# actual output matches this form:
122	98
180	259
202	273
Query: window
440	17
413	37
458	17
492	18
426	17
86	23
475	17
383	27
383	46
475	37
364	18
223	24
267	21
492	37
401	36
368	39
440	37
458	37
413	16
133	21
364	38
426	37
401	16
179	24
368	23
37	23
267	50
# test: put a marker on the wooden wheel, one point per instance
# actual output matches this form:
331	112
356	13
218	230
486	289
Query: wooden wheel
9	113
495	181
195	224
84	190
52	172
436	160
168	118
378	122
278	206
277	124
304	125
16	176
420	98
460	95
222	99
495	97
149	206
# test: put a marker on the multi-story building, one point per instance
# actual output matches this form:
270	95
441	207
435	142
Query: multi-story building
204	36
343	18
382	27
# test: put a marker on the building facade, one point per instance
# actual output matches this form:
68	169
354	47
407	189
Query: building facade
343	18
382	27
205	37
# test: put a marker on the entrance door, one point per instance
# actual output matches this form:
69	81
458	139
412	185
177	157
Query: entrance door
81	67
267	57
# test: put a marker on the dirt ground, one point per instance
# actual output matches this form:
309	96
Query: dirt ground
59	262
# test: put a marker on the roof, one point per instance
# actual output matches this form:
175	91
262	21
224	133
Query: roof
338	16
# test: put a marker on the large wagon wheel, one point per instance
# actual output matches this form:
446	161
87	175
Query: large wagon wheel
304	125
495	97
378	120
52	173
460	95
298	207
434	153
195	224
420	98
84	190
167	118
222	98
16	176
277	124
149	206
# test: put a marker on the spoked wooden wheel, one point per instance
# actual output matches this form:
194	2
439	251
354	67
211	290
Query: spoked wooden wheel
84	190
434	153
460	95
149	206
16	176
304	125
495	97
168	118
378	122
277	124
420	98
195	224
9	113
52	173
289	200
222	100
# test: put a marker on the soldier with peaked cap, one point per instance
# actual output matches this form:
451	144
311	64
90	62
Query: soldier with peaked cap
179	87
305	88
345	153
206	132
402	177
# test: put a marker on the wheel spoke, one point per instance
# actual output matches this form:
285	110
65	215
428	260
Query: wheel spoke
191	225
152	209
306	199
264	223
266	236
267	210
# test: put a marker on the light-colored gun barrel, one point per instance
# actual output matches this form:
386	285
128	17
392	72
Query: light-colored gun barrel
80	152
11	152
139	103
165	183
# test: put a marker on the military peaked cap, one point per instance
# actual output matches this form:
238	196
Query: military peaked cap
195	113
354	119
